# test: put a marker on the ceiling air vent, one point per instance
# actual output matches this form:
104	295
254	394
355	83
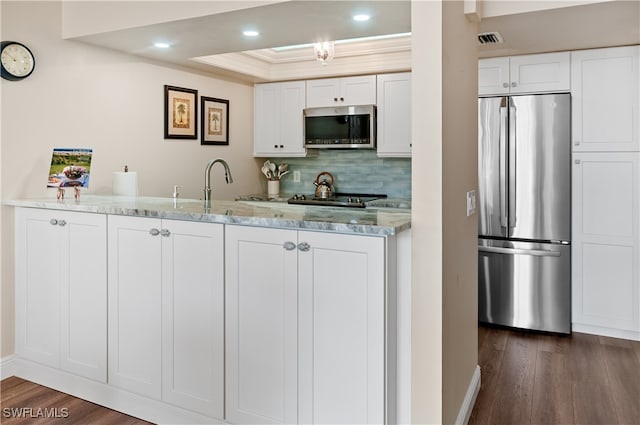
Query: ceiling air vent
492	37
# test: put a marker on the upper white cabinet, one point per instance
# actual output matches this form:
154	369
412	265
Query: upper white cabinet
305	327
345	91
166	320
394	114
605	90
61	290
278	119
606	243
546	72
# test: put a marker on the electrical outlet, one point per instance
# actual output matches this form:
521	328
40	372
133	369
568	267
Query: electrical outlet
471	202
296	176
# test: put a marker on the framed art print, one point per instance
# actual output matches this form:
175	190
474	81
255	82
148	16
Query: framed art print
180	113
214	120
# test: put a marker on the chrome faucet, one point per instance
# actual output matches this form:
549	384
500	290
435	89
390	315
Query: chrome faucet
207	179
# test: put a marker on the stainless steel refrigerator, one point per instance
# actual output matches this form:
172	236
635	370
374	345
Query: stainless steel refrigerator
524	220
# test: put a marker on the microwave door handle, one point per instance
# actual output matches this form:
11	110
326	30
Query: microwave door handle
503	164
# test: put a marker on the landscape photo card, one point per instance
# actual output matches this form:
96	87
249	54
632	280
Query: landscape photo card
70	167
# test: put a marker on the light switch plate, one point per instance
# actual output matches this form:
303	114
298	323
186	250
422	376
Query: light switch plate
471	202
296	176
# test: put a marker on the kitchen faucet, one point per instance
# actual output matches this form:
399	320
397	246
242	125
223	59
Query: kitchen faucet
207	179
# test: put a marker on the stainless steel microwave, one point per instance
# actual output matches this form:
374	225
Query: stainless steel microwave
340	127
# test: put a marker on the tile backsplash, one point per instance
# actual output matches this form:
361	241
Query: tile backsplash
357	171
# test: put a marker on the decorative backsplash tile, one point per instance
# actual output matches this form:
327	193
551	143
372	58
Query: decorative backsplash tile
358	171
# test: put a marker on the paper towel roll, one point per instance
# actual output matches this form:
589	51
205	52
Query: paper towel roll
125	183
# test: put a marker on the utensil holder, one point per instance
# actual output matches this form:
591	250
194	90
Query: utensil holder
273	187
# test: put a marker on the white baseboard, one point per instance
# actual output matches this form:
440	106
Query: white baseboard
109	396
603	331
7	366
469	399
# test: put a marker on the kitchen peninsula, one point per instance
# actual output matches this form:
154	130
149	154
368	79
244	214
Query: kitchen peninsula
242	312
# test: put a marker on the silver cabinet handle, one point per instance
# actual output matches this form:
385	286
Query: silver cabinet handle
505	85
516	251
289	246
576	143
165	232
53	221
304	247
62	223
514	84
577	161
154	232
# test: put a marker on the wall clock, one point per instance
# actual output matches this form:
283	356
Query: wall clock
17	61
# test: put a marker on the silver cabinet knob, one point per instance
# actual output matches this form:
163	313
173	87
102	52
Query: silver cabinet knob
154	232
165	232
289	246
577	161
53	221
505	85
304	247
576	143
62	223
514	84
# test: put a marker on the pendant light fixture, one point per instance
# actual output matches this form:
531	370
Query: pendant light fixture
324	51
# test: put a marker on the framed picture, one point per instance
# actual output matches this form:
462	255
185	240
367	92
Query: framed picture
214	120
180	113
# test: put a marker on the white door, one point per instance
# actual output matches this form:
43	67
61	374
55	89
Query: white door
358	90
292	100
83	331
193	316
135	300
261	325
547	72
606	242
266	119
493	76
605	90
394	114
40	243
323	92
342	328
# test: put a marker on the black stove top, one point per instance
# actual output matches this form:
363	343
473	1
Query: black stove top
352	200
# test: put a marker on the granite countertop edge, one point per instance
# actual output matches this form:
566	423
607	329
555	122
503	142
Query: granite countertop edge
278	215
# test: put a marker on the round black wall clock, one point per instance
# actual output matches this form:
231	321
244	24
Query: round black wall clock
17	61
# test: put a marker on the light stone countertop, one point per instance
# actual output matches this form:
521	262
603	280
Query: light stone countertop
264	214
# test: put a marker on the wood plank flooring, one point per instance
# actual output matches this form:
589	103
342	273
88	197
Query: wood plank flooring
26	403
530	378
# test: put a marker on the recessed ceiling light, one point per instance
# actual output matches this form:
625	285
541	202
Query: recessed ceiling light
361	17
251	33
162	45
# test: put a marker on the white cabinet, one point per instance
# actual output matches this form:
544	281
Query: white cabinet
345	91
394	114
606	244
305	327
605	90
546	72
61	290
166	323
278	119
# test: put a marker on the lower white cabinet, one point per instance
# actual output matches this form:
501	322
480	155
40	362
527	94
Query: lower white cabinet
305	327
606	243
166	298
61	287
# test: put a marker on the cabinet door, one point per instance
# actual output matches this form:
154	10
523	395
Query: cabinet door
493	76
39	245
394	114
548	72
342	331
135	300
193	316
83	331
341	91
606	241
605	90
261	325
278	119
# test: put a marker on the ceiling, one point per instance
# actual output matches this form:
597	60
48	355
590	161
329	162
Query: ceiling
214	43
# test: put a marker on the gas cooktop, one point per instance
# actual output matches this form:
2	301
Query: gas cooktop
352	200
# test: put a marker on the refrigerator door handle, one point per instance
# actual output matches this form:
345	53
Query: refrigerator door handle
516	251
504	127
512	166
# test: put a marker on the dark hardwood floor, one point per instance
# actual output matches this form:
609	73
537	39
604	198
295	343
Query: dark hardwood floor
25	403
530	378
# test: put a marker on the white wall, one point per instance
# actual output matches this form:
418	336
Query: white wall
83	96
